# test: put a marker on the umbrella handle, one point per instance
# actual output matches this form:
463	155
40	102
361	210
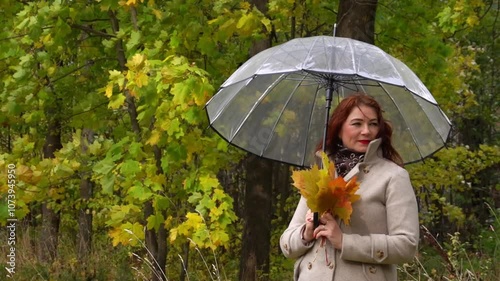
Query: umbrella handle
328	98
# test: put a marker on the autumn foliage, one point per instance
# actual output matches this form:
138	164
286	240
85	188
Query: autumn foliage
325	191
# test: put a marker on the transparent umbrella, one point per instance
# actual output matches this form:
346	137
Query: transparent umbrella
276	105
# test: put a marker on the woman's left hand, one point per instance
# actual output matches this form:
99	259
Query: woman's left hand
329	229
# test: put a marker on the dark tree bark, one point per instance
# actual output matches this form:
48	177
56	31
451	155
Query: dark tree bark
49	235
50	218
257	212
161	234
232	180
85	214
356	20
257	218
263	44
283	189
184	262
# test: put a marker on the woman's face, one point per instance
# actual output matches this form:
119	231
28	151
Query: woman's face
360	127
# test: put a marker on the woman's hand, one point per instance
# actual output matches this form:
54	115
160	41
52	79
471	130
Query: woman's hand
308	234
329	229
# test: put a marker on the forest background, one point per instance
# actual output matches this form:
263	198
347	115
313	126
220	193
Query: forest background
109	170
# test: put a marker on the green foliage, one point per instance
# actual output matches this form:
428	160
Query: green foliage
456	259
64	54
281	267
441	59
452	171
105	262
137	74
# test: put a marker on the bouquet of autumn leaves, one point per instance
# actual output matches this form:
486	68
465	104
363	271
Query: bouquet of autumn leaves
325	192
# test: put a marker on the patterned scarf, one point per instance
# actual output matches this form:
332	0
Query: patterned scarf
346	159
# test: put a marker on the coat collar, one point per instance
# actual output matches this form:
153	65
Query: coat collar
372	152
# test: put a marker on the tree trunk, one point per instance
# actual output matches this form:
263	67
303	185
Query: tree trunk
161	235
85	214
184	262
49	234
283	189
257	212
356	20
257	217
155	242
85	220
50	218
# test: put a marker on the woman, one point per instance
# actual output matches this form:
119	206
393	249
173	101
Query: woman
383	230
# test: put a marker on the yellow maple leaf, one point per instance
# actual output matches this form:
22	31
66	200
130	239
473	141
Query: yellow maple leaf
141	79
137	62
154	138
109	90
24	173
325	192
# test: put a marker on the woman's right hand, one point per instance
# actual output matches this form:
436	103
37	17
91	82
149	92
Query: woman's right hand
308	234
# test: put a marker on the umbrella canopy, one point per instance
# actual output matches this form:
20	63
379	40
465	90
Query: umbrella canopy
274	104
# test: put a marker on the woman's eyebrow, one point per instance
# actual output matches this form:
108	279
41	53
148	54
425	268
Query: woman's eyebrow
362	119
357	119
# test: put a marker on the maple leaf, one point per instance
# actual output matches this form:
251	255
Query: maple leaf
325	192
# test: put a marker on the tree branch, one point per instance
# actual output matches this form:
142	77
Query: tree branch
90	30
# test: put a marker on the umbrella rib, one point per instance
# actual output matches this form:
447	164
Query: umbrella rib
361	86
432	123
309	126
281	114
226	102
309	52
403	116
259	100
349	43
390	58
267	59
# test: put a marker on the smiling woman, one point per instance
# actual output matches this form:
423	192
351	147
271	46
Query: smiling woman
345	127
383	229
360	128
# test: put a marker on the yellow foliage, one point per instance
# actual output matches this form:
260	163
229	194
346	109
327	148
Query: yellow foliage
472	20
208	182
130	3
114	75
47	40
245	5
193	222
154	138
127	234
24	173
158	14
51	70
326	193
137	62
141	79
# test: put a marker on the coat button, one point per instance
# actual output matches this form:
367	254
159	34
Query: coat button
286	247
309	265
380	254
372	269
366	170
331	265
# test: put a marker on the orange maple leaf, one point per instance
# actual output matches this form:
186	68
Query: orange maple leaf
326	192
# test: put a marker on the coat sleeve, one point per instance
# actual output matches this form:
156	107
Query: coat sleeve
400	243
291	242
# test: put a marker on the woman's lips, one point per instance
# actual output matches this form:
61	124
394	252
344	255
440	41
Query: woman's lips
364	141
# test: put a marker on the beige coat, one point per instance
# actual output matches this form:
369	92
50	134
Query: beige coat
383	232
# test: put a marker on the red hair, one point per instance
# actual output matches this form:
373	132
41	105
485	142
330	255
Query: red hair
339	116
